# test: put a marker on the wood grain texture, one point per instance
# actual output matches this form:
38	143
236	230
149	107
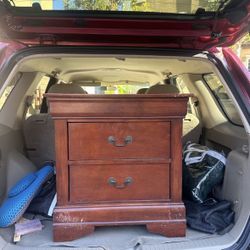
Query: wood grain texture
176	156
91	140
71	231
117	213
148	182
118	182
167	219
117	105
61	148
168	229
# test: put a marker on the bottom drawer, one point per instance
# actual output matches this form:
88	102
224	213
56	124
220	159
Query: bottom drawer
97	183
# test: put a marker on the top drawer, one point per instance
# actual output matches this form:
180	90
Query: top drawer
119	140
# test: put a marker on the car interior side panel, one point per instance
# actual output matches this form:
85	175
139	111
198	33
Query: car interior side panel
27	137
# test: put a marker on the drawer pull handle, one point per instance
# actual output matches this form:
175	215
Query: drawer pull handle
113	182
127	140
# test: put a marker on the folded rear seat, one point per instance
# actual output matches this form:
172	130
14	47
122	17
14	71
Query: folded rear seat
39	132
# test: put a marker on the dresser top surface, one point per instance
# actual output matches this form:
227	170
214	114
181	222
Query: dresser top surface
85	105
127	97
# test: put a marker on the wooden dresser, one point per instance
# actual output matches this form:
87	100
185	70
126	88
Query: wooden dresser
118	162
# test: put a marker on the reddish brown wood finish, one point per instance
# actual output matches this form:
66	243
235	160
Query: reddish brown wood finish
71	231
132	178
147	141
115	106
61	146
148	182
171	229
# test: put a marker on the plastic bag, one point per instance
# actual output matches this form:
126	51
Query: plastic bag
203	169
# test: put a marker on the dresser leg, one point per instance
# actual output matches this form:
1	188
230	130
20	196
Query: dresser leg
71	232
168	229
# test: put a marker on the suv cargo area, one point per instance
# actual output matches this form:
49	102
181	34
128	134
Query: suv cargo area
214	118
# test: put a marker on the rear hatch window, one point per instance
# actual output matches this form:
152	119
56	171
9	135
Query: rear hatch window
158	6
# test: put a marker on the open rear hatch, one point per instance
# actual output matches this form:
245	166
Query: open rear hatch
199	28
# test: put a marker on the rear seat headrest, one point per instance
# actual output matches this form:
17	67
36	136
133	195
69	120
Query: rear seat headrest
162	88
66	88
142	91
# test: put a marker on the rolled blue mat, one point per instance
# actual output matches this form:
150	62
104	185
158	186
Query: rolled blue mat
20	196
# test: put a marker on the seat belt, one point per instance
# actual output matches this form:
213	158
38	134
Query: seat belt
195	105
44	108
27	105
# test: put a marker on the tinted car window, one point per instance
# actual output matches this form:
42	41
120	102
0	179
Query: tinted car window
223	99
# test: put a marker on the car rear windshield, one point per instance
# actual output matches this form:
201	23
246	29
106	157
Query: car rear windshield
155	6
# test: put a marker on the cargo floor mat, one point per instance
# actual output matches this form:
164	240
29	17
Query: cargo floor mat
108	238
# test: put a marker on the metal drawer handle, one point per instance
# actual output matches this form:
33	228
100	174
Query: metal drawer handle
113	182
127	140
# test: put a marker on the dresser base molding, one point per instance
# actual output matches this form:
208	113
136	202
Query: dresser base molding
73	222
71	231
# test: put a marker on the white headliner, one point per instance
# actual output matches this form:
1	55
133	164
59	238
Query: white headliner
114	69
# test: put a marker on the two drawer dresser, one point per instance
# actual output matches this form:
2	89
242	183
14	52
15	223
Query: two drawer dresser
118	162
